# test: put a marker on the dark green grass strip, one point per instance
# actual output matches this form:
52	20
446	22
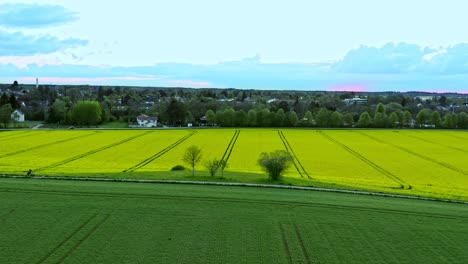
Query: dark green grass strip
69	252
160	153
419	155
435	143
238	200
91	152
46	145
233	139
67	238
231	147
383	171
297	163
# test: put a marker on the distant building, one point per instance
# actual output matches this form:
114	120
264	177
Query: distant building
17	116
147	121
356	100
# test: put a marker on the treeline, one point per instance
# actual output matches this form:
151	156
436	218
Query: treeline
380	118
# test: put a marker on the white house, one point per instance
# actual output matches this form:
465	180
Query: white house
17	116
147	121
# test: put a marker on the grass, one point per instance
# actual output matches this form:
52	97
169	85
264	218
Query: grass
49	221
416	162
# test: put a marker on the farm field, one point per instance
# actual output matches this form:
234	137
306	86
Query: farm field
412	162
50	221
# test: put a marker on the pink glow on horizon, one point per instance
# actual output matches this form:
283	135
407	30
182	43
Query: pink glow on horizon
82	80
348	88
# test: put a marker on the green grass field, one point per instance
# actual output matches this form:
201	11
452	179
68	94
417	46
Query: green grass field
49	221
412	162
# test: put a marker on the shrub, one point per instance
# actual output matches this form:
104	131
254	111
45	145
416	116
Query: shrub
178	168
214	165
275	163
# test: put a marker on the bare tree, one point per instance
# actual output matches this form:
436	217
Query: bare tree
192	156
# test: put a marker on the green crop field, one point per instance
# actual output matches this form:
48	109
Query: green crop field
414	162
50	221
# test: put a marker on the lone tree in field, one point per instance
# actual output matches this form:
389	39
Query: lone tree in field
275	163
192	156
216	165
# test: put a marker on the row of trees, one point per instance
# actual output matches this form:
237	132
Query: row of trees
327	118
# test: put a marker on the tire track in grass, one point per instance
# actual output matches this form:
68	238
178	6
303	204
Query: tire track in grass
435	143
160	153
46	145
67	238
79	242
419	155
91	152
297	163
230	147
293	244
391	176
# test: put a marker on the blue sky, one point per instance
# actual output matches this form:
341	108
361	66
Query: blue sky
313	45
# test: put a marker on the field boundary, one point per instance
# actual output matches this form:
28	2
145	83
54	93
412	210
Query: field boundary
383	171
419	155
160	153
230	146
239	184
45	145
94	151
297	163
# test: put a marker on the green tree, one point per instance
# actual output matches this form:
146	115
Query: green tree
462	120
380	109
176	112
192	157
240	118
291	119
323	118
380	120
275	163
4	99
309	118
210	117
450	121
5	114
436	119
336	119
252	118
57	112
348	120
13	102
86	113
407	118
365	120
393	120
279	118
422	118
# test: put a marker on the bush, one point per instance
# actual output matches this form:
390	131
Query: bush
178	168
214	165
275	163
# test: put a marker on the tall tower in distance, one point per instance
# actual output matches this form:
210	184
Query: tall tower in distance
37	83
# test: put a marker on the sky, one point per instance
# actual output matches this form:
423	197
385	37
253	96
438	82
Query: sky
309	45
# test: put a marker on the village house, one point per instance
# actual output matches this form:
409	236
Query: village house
17	116
147	121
